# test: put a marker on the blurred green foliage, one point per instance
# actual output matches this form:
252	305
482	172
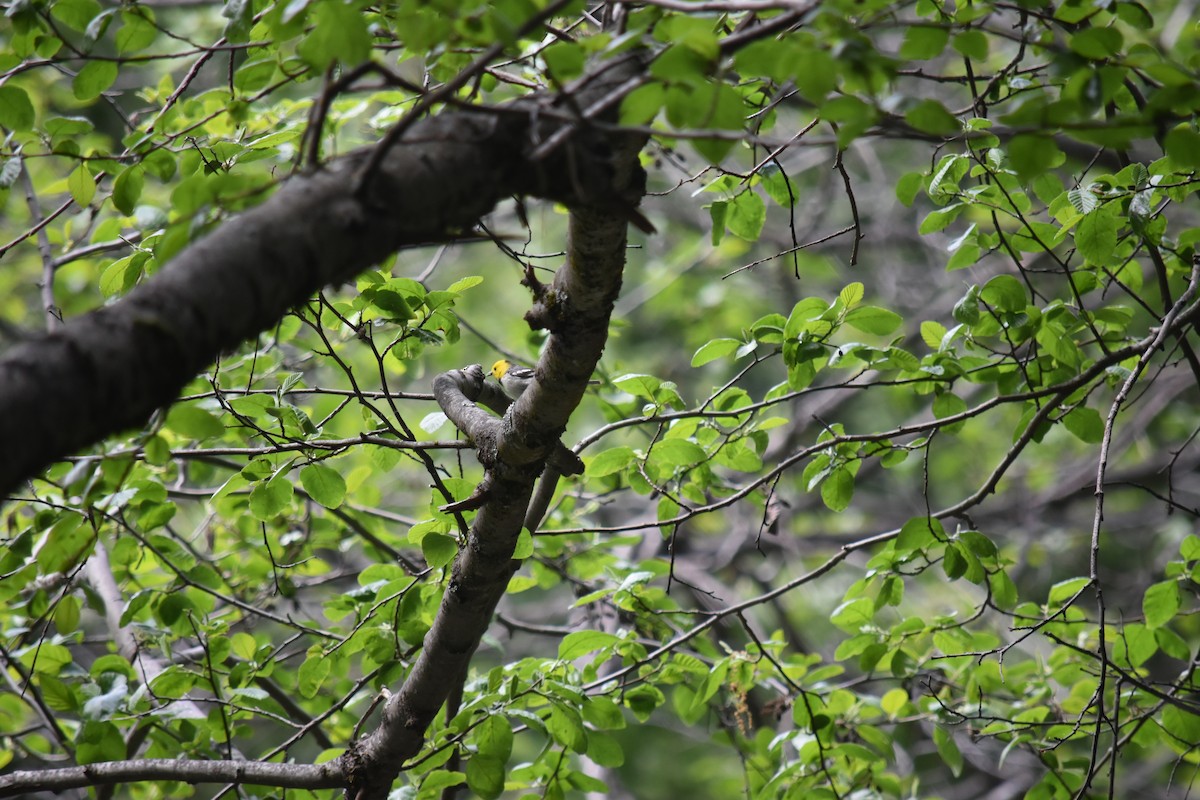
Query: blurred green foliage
926	274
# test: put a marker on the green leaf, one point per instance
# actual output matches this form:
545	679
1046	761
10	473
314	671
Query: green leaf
155	515
604	750
948	404
65	127
1172	644
324	484
1005	293
1183	146
940	219
1031	155
240	14
948	750
122	275
954	561
1063	591
1160	603
919	533
932	333
763	58
1004	591
580	643
253	76
1097	43
779	187
717	213
16	111
894	701
494	737
244	646
463	284
66	615
610	462
853	116
339	33
922	43
564	59
485	776
1083	200
1096	237
75	14
1189	548
269	498
603	713
851	295
873	319
524	547
972	44
930	116
642	700
193	422
57	694
815	72
313	671
638	385
127	188
99	741
676	453
965	256
440	779
1085	423
852	615
909	185
717	348
137	32
94	78
1136	644
567	729
81	185
66	545
837	490
746	216
1181	724
438	549
642	105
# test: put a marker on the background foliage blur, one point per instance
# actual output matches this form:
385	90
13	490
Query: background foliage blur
839	533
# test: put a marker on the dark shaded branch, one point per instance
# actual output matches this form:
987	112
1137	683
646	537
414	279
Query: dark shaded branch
294	776
576	309
110	369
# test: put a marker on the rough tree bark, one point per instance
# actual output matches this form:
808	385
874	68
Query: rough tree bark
576	308
112	368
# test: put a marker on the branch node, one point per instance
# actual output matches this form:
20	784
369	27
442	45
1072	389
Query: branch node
481	495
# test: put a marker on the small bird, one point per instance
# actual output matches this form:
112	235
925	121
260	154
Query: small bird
514	378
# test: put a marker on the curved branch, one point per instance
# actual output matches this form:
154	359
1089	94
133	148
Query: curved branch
108	370
576	309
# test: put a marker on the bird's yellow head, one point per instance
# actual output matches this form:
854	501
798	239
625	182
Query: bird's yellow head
500	367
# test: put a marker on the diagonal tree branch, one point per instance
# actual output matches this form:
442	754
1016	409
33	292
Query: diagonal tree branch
134	356
110	369
576	309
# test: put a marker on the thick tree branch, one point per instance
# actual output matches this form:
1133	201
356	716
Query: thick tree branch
110	369
295	776
114	366
99	572
576	309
